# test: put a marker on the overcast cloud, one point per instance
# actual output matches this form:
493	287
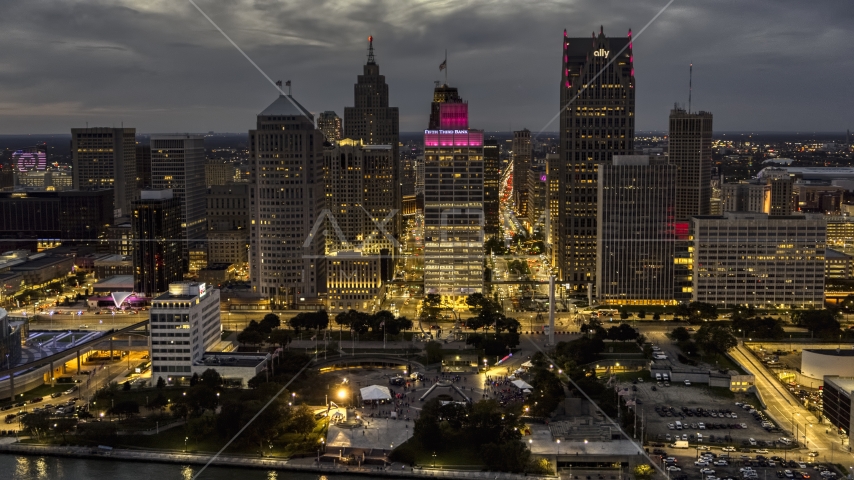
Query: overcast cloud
159	66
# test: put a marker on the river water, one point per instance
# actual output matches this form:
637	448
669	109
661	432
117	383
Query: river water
23	467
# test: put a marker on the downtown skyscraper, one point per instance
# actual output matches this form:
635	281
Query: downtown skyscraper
522	153
178	164
597	101
635	248
104	157
373	122
491	181
286	202
453	199
690	149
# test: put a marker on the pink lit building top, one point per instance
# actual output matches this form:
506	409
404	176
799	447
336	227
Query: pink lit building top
453	138
453	128
453	116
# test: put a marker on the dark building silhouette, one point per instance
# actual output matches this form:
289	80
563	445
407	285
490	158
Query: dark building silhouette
143	166
491	179
157	232
69	216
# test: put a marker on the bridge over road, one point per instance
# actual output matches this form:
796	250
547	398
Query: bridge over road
66	355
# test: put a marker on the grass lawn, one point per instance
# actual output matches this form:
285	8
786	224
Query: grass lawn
43	391
720	392
629	376
178	438
621	347
459	457
722	361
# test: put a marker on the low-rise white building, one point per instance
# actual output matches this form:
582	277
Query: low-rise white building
185	322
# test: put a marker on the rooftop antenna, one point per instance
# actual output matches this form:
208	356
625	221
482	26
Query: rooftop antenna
690	83
370	50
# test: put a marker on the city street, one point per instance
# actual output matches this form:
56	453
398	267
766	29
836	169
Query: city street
790	414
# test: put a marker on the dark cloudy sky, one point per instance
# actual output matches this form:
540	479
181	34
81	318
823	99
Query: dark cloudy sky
159	66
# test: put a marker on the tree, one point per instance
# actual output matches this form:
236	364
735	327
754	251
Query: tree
506	324
302	421
824	323
269	322
211	378
126	386
625	332
624	315
680	334
715	338
762	327
477	303
37	423
252	337
434	352
64	425
158	403
432	305
656	316
269	423
427	429
279	337
200	398
698	311
127	408
642	314
161	383
643	471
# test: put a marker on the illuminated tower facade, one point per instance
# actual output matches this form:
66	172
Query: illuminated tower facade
286	202
597	101
453	199
522	153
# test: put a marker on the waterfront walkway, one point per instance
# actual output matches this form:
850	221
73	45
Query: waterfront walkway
300	465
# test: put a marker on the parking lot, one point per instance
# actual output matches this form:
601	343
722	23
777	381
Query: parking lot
723	422
722	465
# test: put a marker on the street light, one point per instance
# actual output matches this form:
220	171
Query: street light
558	446
185	443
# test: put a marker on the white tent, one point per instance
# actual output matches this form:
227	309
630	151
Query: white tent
375	392
528	364
521	384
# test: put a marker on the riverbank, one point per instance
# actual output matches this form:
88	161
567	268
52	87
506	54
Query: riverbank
299	465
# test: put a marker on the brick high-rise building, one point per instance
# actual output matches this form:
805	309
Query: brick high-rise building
596	123
105	157
375	123
286	201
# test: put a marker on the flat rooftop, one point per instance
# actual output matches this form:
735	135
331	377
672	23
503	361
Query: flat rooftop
846	384
832	352
116	281
232	359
